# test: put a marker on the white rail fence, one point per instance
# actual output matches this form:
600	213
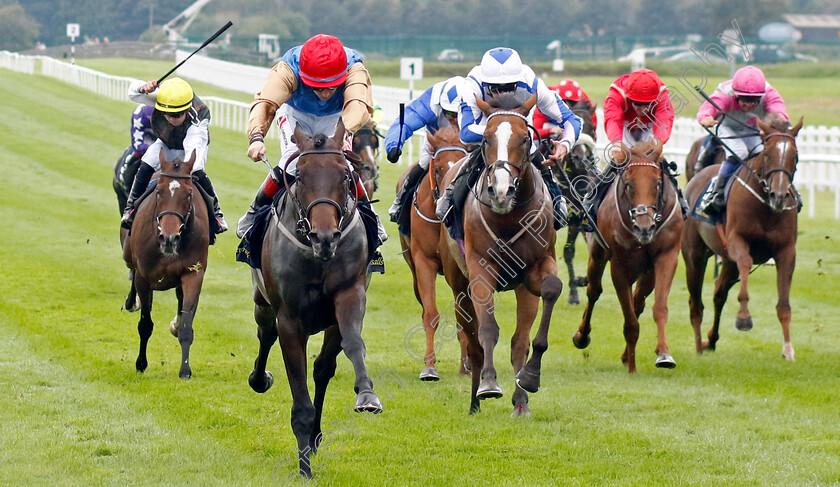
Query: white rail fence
819	146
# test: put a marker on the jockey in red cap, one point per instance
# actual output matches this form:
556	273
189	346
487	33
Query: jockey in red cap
571	93
312	86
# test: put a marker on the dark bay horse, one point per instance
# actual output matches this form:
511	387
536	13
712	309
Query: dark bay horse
641	222
691	165
314	279
421	248
508	243
366	146
167	248
574	175
760	223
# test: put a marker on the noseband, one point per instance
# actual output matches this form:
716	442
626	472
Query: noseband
183	218
303	225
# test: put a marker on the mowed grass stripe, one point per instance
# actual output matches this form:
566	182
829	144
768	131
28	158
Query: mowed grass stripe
740	415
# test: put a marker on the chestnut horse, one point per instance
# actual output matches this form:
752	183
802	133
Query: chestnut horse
692	166
366	146
313	279
760	223
167	248
508	244
641	222
574	175
421	248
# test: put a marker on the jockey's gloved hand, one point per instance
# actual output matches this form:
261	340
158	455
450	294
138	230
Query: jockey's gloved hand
394	155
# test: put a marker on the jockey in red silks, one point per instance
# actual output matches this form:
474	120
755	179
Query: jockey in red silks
637	109
744	98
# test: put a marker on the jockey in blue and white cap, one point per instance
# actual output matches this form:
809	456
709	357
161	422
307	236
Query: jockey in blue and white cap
501	71
436	108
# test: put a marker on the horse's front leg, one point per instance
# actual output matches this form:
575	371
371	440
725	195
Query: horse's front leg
425	274
260	379
664	270
547	285
569	258
740	253
594	274
323	371
145	325
520	343
176	321
623	290
293	344
726	279
349	312
191	285
696	259
482	290
785	263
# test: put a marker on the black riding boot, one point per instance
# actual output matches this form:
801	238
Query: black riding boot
201	177
560	208
263	198
456	192
671	171
138	187
412	180
716	197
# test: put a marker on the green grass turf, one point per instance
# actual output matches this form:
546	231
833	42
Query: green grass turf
74	412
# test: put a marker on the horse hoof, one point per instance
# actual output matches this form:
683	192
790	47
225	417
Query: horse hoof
521	411
173	326
581	341
132	305
574	299
528	380
141	365
489	389
262	386
665	361
429	374
787	352
581	281
368	402
185	372
744	324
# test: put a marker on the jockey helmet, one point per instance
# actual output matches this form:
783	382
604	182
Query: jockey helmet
643	86
174	96
569	89
501	65
323	62
450	101
749	81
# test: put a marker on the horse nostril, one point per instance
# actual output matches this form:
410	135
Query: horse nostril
336	236
313	237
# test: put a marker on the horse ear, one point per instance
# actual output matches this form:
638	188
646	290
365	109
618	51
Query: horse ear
338	135
482	105
298	136
431	138
525	109
191	162
765	129
163	159
795	129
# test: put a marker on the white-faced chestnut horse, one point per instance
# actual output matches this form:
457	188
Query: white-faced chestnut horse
760	223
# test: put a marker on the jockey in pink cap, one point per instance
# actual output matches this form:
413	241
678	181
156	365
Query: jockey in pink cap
744	98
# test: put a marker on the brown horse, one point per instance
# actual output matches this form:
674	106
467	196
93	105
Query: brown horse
421	248
508	243
760	223
574	175
313	279
167	248
366	146
641	222
692	166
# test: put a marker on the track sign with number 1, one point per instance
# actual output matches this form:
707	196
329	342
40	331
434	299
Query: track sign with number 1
411	68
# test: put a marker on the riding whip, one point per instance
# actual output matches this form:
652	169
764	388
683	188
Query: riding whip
208	41
714	135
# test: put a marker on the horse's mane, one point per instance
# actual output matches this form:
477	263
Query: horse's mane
505	101
449	135
777	122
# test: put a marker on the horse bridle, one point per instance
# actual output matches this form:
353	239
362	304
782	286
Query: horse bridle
500	164
303	225
640	210
183	218
449	148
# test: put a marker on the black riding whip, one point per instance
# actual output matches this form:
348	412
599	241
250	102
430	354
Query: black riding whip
208	41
